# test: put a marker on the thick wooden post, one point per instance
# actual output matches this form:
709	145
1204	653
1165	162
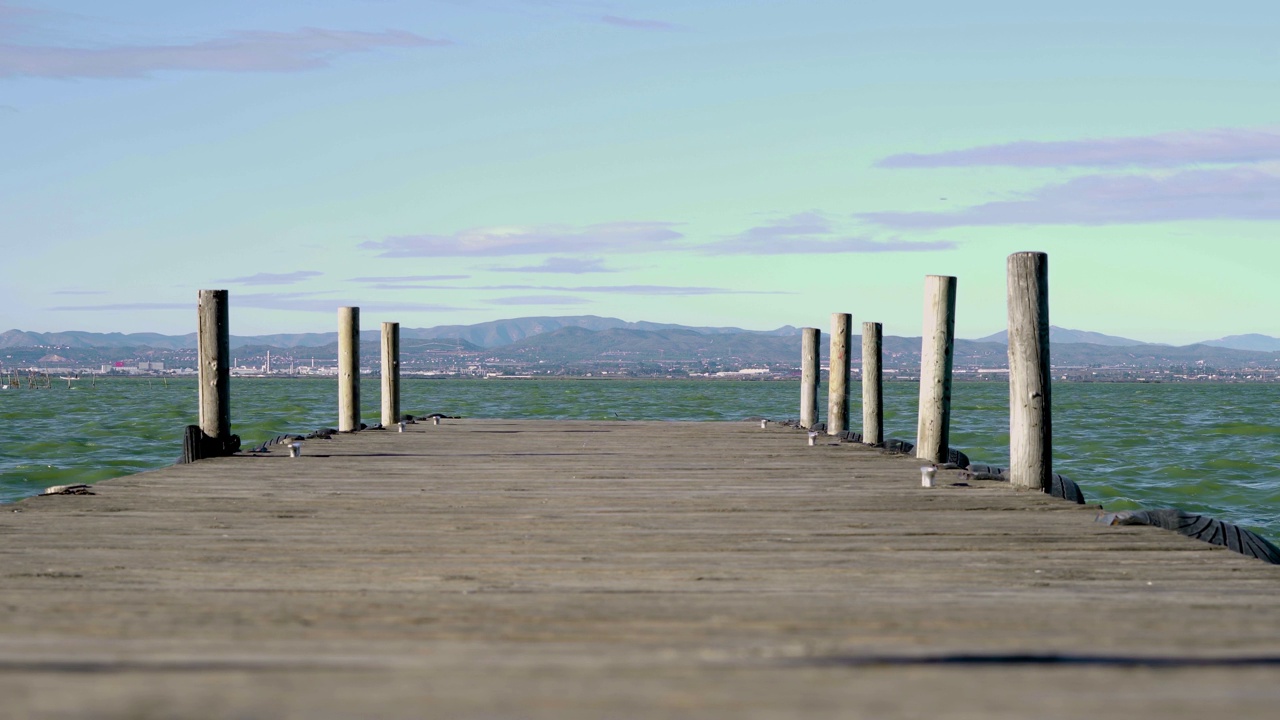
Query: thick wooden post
390	374
1030	426
937	347
213	342
348	369
809	371
872	384
838	379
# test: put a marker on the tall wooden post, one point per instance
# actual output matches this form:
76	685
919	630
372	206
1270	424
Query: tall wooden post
937	347
838	379
348	369
809	344
872	384
213	342
1030	426
390	374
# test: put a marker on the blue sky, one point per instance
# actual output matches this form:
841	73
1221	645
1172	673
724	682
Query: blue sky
709	163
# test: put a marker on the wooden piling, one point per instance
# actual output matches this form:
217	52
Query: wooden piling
348	369
838	378
809	371
213	341
390	374
937	347
872	384
1030	426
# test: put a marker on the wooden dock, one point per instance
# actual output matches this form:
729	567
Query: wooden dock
546	569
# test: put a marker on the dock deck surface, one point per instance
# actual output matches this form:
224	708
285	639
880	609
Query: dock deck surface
559	569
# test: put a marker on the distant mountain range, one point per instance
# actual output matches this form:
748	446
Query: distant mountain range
486	335
588	338
1252	341
1063	335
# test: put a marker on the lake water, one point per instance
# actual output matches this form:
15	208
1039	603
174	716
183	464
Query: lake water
1211	448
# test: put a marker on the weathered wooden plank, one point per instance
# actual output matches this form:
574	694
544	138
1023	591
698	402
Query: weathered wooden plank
872	383
1030	400
390	374
838	374
933	421
809	375
578	569
348	369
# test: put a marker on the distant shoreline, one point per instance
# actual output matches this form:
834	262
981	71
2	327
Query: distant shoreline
959	378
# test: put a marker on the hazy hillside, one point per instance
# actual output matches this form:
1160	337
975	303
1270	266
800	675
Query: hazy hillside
1065	335
589	339
577	344
79	339
485	335
1252	341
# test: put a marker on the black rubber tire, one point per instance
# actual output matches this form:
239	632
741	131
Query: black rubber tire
1205	528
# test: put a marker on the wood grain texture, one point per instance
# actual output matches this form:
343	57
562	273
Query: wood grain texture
390	373
1030	402
348	369
810	342
838	375
213	343
933	429
611	569
872	383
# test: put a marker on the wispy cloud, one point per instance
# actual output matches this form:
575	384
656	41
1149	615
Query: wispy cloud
1238	193
300	302
249	51
613	289
316	302
274	278
811	233
636	23
125	306
79	292
10	14
538	300
620	237
1217	146
409	278
665	290
9	109
569	266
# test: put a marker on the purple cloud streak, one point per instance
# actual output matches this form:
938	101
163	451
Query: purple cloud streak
126	306
298	302
274	278
558	239
617	289
309	302
538	300
568	266
811	233
1240	193
409	278
253	51
636	23
1223	145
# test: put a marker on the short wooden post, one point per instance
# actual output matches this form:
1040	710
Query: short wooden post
348	369
1030	426
390	374
809	345
838	378
937	347
872	384
213	343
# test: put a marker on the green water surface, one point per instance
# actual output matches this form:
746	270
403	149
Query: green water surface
1211	448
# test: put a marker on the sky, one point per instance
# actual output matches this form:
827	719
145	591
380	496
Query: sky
753	163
